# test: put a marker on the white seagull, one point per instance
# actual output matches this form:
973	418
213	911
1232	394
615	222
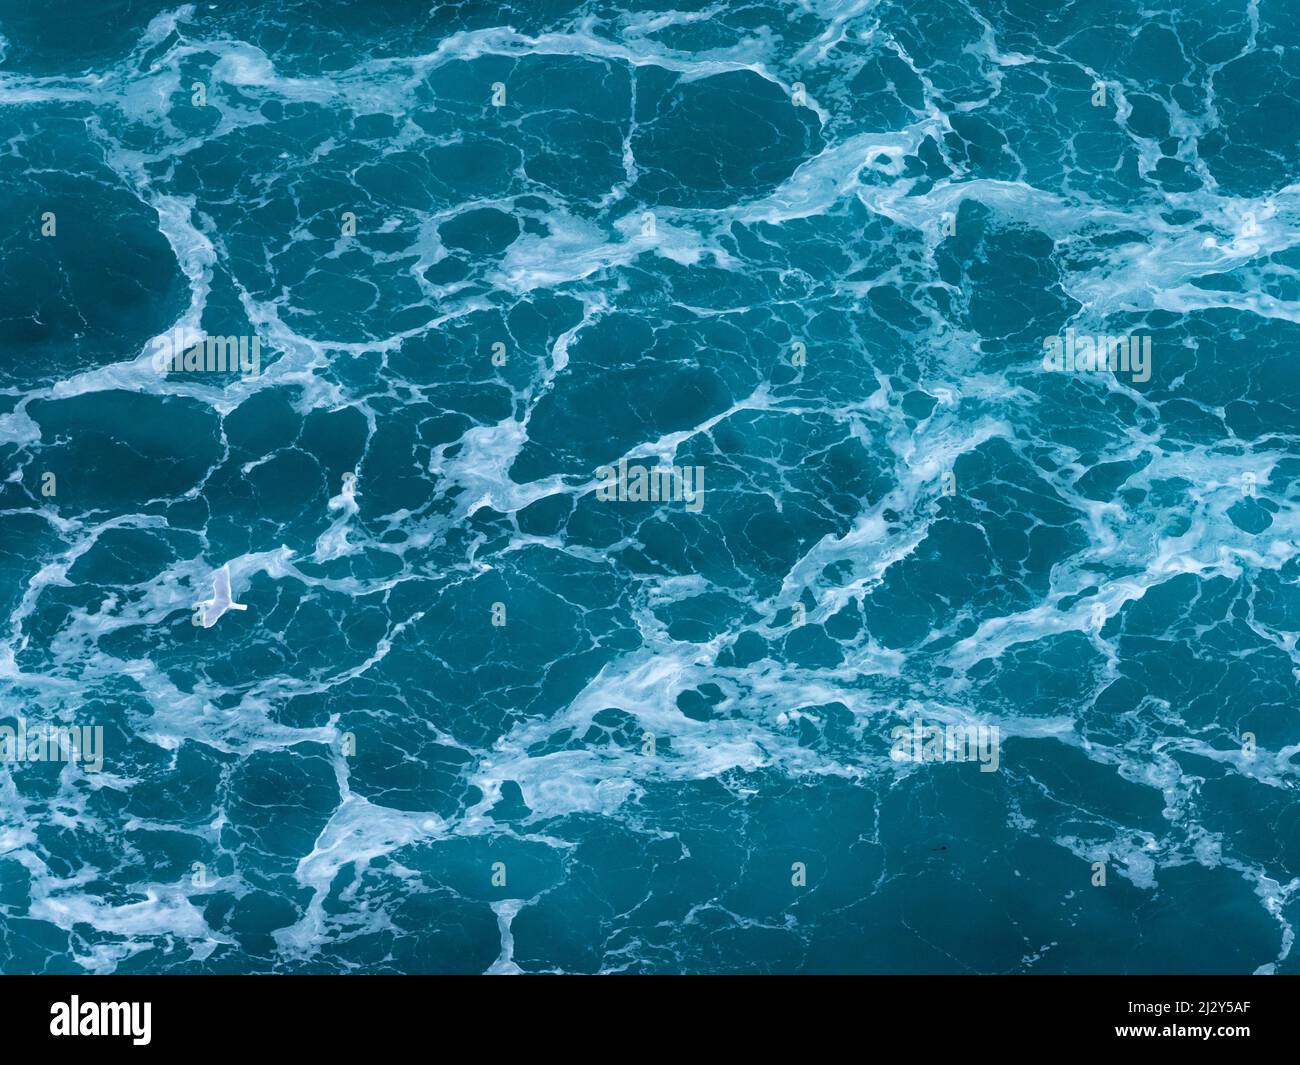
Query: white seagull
221	600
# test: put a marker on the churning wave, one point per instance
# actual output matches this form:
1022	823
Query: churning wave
634	425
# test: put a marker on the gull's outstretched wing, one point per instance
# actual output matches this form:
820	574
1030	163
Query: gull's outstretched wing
221	587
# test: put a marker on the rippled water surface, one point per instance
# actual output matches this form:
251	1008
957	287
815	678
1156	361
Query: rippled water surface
488	709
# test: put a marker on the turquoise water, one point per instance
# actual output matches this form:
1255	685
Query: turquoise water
492	705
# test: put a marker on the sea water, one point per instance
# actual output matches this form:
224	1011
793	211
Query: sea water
487	709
